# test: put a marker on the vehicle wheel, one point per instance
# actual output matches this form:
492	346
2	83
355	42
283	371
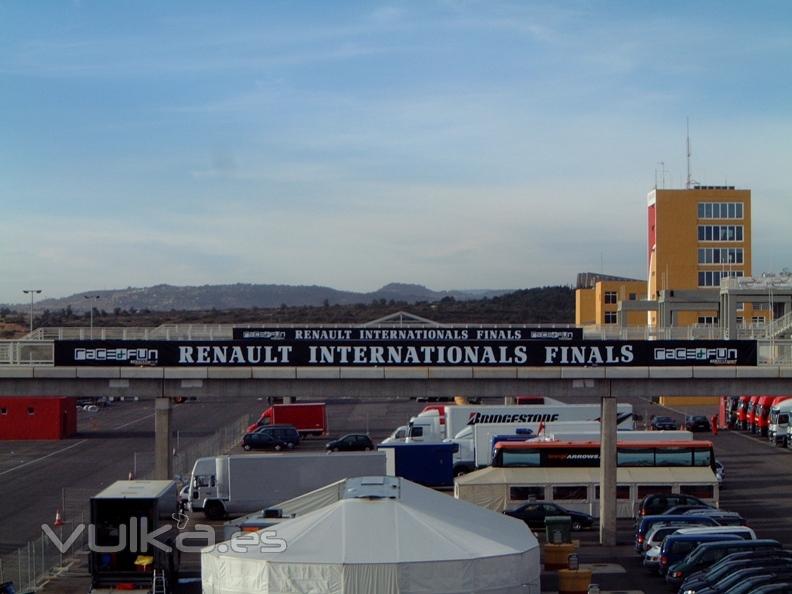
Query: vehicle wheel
290	445
246	447
278	447
333	449
576	525
368	449
214	510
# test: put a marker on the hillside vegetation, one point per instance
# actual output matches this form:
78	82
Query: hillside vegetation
541	305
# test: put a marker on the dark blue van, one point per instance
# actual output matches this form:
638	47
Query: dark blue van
708	553
676	547
649	521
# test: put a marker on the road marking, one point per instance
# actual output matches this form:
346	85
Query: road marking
74	445
133	422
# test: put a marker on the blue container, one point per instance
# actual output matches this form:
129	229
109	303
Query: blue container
428	464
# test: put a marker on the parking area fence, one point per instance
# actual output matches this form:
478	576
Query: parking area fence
47	556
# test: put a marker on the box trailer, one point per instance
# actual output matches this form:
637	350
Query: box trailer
240	484
126	516
309	418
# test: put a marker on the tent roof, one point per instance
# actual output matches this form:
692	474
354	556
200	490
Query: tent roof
408	524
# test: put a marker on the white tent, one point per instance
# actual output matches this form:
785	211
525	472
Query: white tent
386	536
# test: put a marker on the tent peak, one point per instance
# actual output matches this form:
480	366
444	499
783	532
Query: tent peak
372	487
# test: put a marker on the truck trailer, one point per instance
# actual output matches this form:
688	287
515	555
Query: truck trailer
309	418
124	515
426	426
240	484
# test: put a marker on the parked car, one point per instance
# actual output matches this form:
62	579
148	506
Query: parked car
732	563
534	513
697	423
272	437
351	442
721	516
647	522
664	424
736	574
678	546
658	503
682	509
708	553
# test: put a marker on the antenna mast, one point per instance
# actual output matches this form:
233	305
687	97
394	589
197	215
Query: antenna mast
689	180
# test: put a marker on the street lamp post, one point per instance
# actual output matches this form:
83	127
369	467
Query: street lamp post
32	293
92	308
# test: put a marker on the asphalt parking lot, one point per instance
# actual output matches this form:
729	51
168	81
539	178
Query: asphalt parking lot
757	475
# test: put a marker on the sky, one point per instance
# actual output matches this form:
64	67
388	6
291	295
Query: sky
456	144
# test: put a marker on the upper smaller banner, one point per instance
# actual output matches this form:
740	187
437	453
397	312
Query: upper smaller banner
362	334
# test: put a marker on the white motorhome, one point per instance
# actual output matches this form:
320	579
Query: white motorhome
778	423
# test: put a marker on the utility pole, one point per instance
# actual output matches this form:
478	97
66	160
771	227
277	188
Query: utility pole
32	293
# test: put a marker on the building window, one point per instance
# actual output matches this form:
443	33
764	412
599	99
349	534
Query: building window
720	210
610	317
708	320
633	296
712	278
758	321
610	297
720	232
720	255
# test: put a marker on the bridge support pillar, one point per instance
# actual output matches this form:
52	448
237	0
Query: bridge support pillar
607	509
163	466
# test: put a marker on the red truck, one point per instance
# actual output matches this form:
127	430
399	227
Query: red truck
309	418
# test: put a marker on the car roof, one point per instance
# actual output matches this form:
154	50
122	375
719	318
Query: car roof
715	529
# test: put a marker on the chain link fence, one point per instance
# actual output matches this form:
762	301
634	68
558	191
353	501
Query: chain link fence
53	552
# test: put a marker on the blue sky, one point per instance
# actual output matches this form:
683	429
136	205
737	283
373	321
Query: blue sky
455	144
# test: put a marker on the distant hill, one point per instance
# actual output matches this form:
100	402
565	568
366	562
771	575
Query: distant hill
245	296
540	305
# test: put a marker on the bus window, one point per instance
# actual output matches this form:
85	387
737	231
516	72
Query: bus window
521	458
702	458
526	493
700	491
576	492
635	457
669	457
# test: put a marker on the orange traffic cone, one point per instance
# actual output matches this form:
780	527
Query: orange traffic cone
58	520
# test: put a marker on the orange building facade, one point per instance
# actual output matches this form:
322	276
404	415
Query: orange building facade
695	237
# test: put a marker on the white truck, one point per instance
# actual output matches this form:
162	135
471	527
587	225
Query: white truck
778	423
240	484
427	427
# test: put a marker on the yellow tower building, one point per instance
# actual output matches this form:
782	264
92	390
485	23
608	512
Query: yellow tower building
696	237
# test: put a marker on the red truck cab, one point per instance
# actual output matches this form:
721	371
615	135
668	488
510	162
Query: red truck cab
742	407
761	415
750	411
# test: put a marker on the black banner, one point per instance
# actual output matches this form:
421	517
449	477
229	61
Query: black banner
444	353
362	334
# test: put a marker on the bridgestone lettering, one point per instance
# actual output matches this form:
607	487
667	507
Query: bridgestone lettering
477	417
